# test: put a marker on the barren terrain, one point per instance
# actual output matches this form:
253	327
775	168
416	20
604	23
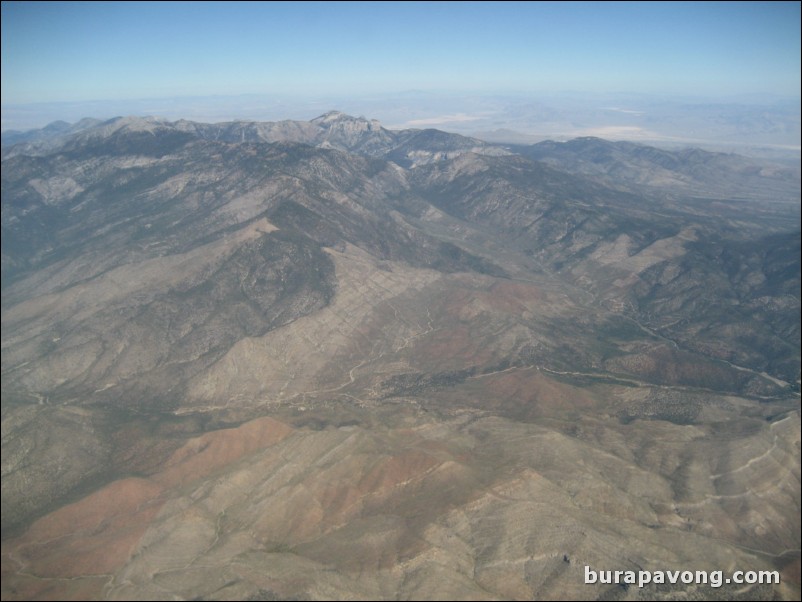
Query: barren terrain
325	360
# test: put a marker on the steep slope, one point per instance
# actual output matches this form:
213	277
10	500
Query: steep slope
241	362
704	276
333	130
688	172
33	140
205	241
475	508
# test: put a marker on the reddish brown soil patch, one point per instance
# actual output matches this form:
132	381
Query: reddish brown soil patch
96	535
528	394
396	471
93	536
204	455
512	297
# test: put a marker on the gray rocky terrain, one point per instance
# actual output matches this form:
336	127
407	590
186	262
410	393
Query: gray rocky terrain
327	360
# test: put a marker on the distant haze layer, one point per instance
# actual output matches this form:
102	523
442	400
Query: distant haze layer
763	126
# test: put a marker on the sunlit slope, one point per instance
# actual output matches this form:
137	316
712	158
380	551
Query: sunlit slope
295	368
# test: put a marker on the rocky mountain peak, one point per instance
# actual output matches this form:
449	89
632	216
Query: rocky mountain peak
237	365
344	121
330	116
118	125
134	123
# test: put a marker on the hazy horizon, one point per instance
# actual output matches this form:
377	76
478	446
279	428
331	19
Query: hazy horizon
250	356
763	127
717	74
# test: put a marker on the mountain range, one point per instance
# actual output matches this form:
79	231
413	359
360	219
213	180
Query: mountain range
327	359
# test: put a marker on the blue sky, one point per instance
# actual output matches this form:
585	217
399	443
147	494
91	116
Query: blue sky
75	51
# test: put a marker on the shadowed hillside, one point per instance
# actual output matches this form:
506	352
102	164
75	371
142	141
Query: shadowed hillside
325	359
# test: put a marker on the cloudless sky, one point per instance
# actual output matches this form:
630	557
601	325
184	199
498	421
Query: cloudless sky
75	51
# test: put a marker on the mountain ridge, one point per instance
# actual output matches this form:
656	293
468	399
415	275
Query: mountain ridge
269	352
627	166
